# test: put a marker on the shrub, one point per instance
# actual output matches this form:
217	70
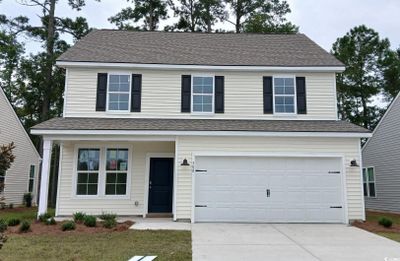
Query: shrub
79	217
25	227
69	225
89	221
13	222
11	205
51	221
108	216
44	217
3	225
385	222
28	200
109	223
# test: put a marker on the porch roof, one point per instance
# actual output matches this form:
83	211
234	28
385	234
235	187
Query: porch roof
214	125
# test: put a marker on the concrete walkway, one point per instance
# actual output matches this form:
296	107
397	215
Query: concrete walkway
313	242
159	224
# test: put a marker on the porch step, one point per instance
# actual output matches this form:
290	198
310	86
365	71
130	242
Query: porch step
159	215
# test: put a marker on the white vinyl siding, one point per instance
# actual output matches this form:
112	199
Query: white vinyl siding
190	146
161	95
17	177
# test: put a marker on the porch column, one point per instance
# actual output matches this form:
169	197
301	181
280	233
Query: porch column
44	180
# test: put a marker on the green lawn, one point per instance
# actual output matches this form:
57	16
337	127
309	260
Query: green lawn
28	214
374	218
167	245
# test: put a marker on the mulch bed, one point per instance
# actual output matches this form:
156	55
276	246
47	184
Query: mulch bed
375	227
38	228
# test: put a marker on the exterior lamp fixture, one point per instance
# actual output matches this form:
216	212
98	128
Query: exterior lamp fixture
353	163
185	162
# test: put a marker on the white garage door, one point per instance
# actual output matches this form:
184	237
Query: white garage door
261	189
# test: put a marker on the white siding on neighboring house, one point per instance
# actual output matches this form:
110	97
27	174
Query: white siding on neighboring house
17	177
349	148
68	203
161	94
382	152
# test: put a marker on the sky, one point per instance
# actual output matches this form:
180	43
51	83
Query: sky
322	20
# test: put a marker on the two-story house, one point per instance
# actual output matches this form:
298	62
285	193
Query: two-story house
205	127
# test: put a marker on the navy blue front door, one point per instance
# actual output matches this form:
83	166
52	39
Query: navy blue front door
161	185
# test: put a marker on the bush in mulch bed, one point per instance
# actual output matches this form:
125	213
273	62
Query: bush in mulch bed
25	227
79	217
386	222
44	217
89	221
50	221
13	222
3	225
109	220
69	225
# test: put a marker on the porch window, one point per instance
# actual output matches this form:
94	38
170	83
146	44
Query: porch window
284	95
203	94
116	171
369	182
88	171
119	92
31	178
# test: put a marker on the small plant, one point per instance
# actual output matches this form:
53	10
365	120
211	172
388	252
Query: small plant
11	206
107	216
44	217
385	222
109	223
89	221
50	221
28	200
79	217
69	225
3	225
13	222
25	227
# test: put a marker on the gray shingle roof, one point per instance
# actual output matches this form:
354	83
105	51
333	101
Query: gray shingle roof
199	125
116	46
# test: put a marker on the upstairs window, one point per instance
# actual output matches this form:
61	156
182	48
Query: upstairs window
119	92
31	178
369	182
284	95
203	94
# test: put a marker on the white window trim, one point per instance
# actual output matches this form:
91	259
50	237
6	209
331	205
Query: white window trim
5	175
101	185
128	173
34	178
367	181
213	95
294	95
108	92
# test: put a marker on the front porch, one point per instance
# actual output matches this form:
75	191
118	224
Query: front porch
128	176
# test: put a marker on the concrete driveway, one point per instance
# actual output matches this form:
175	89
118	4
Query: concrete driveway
262	242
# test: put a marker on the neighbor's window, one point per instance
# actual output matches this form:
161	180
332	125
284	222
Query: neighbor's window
369	182
31	178
116	171
203	94
88	171
284	95
119	92
2	180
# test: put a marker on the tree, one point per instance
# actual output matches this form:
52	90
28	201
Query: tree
391	74
6	159
260	16
148	12
363	52
197	15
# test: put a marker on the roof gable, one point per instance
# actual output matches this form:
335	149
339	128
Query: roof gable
215	49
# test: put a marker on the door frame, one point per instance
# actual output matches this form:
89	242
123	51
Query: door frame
342	158
147	179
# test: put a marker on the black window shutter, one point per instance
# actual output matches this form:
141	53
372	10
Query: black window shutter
219	94
301	95
267	94
101	96
186	93
136	95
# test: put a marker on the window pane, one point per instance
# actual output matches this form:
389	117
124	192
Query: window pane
371	187
30	185
123	106
121	189
371	176
279	82
207	99
121	178
92	189
207	108
83	177
93	177
81	189
279	90
364	171
114	79
289	108
197	108
110	189
32	171
365	190
117	159
113	106
279	108
88	159
111	178
289	82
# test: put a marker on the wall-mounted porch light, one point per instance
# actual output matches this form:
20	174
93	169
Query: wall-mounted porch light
185	162
354	163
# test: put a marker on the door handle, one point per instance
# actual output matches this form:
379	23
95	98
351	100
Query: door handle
268	193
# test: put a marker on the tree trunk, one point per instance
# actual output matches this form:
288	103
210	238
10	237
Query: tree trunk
365	113
209	29
151	19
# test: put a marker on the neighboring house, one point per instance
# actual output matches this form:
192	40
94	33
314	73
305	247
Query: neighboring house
205	127
22	176
381	163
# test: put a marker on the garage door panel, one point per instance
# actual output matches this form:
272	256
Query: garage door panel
234	189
